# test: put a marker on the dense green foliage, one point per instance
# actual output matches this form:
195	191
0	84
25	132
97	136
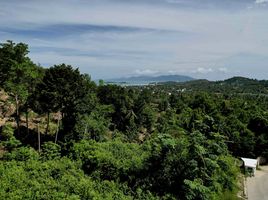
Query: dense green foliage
169	141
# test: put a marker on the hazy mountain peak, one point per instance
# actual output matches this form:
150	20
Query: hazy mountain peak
149	79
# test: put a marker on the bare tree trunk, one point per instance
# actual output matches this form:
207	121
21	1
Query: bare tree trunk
58	127
39	139
47	129
62	117
27	120
17	113
85	132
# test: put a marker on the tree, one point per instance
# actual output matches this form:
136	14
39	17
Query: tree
36	77
123	105
16	72
64	89
96	124
11	54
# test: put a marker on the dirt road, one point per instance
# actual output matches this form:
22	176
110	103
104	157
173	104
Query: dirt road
257	187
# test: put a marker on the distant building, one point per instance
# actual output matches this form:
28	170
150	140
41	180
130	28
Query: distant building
250	165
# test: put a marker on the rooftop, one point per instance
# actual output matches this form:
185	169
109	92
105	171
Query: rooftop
250	162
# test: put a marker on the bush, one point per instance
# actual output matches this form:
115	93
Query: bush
11	144
50	151
54	179
6	133
22	154
110	160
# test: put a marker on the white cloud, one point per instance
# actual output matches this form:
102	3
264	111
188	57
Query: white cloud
203	70
145	72
200	38
174	1
261	1
223	69
174	72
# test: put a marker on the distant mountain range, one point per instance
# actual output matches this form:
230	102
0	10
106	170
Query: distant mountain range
151	79
235	85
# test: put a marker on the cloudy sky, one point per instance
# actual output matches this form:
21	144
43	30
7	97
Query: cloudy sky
212	39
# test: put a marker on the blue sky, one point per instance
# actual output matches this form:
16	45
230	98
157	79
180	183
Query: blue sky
212	39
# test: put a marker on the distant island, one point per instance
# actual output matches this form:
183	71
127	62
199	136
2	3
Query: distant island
144	80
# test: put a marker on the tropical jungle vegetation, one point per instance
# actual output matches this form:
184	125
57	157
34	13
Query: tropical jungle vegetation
63	136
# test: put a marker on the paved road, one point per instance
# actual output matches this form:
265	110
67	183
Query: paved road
257	187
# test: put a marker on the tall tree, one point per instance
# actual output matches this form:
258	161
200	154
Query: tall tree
11	54
65	90
16	73
36	77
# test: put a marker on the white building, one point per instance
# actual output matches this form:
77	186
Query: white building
250	164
